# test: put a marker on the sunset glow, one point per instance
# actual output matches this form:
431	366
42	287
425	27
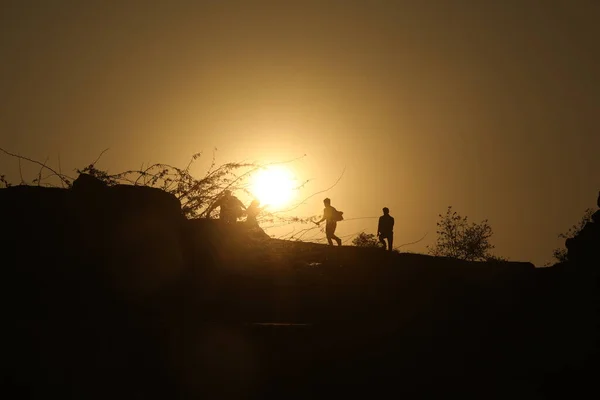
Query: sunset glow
273	186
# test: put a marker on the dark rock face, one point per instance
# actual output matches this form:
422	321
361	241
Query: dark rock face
80	268
584	248
134	232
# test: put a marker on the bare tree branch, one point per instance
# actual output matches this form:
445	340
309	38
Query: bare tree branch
21	173
39	179
42	165
100	156
62	182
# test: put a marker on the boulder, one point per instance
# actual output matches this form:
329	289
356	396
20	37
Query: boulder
128	237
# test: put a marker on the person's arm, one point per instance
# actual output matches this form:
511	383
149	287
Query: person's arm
212	207
379	227
241	204
322	219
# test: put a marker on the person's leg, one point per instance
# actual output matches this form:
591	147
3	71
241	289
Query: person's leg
330	232
391	241
382	241
338	240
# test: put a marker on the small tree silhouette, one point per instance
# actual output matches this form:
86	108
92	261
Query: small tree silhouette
365	240
560	254
459	239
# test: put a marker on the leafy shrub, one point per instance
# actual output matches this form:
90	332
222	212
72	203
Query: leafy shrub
460	239
366	240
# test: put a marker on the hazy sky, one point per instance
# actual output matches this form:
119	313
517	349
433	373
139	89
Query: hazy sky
486	106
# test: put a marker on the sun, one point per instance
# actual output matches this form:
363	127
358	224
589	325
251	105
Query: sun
273	186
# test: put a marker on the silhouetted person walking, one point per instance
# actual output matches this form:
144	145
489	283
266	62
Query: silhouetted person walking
332	216
230	207
385	229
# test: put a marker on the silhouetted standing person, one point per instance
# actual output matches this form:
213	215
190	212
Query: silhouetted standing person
252	212
230	207
331	216
385	229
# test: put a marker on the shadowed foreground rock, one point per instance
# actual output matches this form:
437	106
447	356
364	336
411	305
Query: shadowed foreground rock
111	292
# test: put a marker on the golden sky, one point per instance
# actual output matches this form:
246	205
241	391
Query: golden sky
487	106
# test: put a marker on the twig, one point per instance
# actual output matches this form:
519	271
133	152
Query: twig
213	161
21	173
314	194
62	183
43	165
407	244
40	173
357	218
101	153
289	234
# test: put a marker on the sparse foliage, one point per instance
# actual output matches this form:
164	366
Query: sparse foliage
195	194
365	240
560	254
460	239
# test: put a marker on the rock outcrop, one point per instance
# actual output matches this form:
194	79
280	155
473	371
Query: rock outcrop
131	234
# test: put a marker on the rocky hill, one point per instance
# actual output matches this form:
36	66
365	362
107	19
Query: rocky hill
111	292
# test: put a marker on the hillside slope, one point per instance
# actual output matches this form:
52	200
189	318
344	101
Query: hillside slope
111	292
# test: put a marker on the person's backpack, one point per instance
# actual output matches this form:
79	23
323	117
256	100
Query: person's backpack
338	215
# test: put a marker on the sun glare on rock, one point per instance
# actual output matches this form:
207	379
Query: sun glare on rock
273	186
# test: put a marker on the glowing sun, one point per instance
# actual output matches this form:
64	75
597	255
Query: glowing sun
273	186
